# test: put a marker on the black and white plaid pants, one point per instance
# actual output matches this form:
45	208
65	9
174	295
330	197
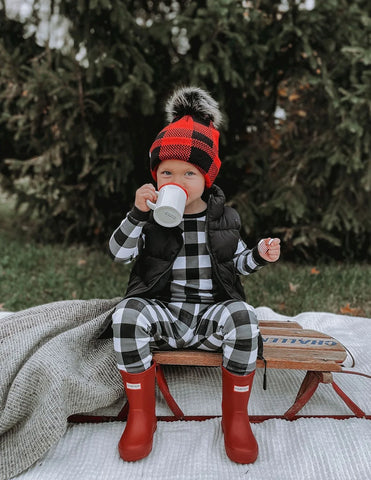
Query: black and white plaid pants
142	325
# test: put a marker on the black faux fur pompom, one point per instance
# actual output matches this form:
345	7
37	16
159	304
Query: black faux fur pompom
193	101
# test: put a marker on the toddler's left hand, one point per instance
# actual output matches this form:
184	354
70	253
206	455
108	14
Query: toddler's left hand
270	249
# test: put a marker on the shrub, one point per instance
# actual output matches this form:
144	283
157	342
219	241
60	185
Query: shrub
77	121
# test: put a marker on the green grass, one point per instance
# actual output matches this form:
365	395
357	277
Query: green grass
32	273
290	289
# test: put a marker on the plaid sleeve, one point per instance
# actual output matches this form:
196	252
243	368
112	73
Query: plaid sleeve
123	243
247	261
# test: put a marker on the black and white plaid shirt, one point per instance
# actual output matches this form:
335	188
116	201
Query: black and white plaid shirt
191	280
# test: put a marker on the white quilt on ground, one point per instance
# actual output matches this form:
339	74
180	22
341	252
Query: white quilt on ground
306	449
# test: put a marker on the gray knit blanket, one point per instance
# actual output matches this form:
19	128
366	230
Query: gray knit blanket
53	365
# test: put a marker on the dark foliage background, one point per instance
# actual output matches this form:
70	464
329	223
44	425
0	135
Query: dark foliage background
76	122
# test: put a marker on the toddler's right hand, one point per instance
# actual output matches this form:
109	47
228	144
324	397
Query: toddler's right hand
144	193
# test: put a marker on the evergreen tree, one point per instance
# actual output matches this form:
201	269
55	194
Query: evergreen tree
76	122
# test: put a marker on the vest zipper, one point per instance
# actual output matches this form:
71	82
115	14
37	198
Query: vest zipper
213	261
158	279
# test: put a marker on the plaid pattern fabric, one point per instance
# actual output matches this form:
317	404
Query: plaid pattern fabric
142	325
191	140
123	247
244	260
123	243
187	317
191	273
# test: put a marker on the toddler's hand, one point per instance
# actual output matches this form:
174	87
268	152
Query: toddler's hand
270	249
144	193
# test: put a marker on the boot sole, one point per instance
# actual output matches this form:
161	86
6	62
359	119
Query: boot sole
135	454
238	455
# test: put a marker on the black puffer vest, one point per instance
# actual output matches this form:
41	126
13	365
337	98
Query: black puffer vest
152	270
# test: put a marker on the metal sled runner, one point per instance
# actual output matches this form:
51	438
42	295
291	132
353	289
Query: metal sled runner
286	346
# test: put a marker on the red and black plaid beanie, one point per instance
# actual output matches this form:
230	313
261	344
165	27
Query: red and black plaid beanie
192	135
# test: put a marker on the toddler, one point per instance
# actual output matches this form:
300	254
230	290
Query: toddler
184	291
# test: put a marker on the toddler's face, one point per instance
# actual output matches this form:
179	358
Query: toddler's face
187	176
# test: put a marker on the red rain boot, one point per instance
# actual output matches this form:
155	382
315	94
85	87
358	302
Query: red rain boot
240	443
136	441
